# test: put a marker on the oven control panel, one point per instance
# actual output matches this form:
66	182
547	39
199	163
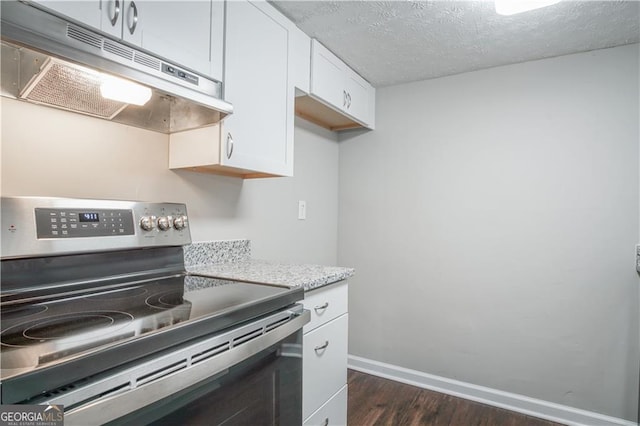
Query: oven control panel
78	223
50	226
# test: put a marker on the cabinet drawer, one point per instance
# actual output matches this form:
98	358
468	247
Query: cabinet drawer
332	413
324	363
325	304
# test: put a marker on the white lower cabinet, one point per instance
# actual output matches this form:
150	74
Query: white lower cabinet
333	412
324	362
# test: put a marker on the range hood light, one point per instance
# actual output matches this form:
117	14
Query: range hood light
122	90
511	7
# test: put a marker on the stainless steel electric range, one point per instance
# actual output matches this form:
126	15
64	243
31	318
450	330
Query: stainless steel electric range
98	314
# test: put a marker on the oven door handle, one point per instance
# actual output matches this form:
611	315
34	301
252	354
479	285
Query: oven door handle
118	405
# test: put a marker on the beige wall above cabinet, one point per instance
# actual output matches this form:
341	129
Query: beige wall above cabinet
189	33
257	140
338	97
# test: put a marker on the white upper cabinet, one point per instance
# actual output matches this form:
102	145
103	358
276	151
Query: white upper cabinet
360	102
85	12
328	79
179	31
346	99
257	139
259	134
188	33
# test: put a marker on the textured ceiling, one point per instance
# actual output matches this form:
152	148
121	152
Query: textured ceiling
394	42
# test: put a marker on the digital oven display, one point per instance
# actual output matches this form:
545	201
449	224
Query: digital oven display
89	217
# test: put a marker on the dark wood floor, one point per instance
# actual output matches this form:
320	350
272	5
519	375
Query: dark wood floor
377	401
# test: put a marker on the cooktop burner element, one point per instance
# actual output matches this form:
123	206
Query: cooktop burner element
12	312
64	327
69	327
166	300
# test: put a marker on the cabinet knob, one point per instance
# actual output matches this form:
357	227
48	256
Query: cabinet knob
116	13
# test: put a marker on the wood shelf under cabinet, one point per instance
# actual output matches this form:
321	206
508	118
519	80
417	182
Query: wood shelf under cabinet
318	113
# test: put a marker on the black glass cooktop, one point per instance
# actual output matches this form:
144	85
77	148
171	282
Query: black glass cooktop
76	336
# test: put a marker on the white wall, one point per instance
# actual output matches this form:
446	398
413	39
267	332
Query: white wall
50	152
491	219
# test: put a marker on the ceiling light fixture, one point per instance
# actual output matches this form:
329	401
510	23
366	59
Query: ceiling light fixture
511	7
125	91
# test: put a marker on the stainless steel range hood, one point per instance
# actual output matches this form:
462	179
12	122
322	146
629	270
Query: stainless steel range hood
50	61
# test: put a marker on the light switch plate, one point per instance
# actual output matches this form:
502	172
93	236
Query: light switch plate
302	210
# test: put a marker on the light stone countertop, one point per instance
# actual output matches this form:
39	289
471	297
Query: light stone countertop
282	274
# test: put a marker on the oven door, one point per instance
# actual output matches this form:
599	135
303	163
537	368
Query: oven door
251	375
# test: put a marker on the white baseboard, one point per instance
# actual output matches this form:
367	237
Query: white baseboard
509	401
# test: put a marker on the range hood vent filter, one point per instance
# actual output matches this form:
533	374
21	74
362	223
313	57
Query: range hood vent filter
72	88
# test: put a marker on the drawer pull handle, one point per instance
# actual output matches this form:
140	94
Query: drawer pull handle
326	422
322	347
321	307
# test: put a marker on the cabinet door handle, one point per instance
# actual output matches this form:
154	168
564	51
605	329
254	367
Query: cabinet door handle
321	307
133	7
344	98
348	100
116	14
326	422
229	145
322	347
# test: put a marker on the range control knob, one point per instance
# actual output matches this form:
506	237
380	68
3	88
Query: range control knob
164	223
180	222
147	222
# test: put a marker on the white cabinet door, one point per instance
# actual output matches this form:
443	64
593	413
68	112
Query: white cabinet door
357	97
327	76
85	12
332	413
255	136
179	31
324	363
111	17
339	87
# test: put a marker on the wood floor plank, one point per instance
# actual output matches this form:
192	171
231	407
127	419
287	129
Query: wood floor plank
381	402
